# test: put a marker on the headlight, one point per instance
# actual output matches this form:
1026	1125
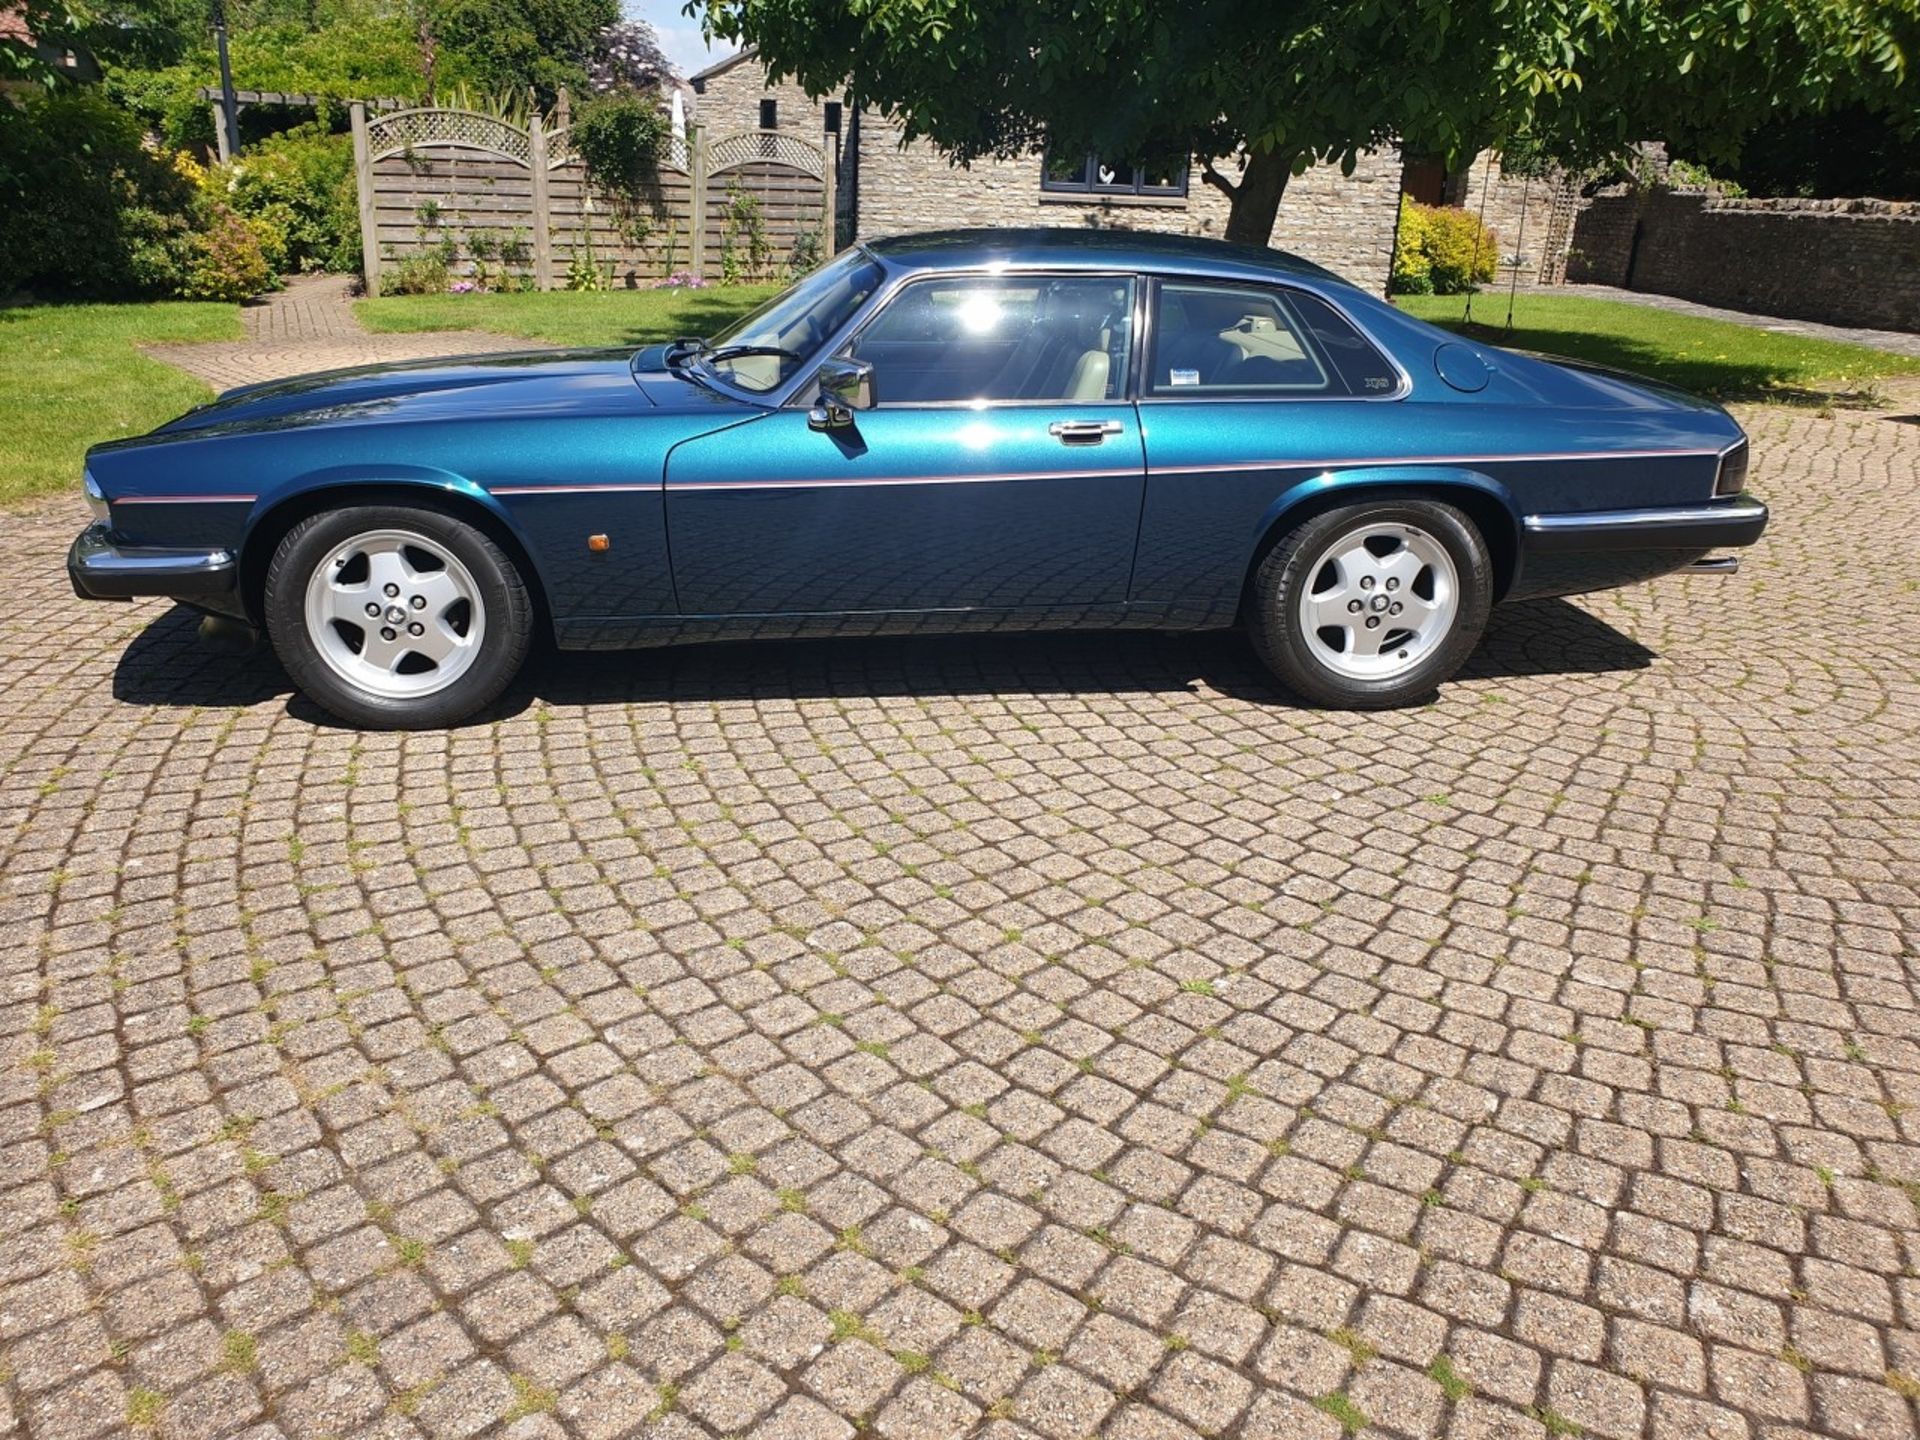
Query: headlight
1733	471
96	498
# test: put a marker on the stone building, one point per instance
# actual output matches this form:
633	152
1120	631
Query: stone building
1345	223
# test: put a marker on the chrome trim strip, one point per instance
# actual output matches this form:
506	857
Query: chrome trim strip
1635	519
857	481
109	561
614	489
185	500
1328	464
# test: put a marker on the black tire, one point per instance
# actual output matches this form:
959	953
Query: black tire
1281	641
504	641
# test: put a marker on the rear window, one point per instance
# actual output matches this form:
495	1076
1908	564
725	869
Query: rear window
1215	340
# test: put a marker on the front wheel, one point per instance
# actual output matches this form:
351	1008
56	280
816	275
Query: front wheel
1372	606
396	617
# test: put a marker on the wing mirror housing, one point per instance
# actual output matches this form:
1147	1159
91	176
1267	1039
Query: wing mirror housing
845	386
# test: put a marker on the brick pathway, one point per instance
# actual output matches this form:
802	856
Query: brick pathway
1002	1037
310	325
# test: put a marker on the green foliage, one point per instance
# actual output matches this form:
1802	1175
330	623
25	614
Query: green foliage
141	32
299	186
342	49
1326	81
584	272
620	138
1441	250
514	45
226	261
745	248
423	274
806	254
1685	175
85	208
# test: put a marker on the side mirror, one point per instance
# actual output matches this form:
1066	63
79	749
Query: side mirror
845	386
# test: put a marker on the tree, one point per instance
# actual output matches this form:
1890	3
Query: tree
628	56
137	32
510	46
1281	84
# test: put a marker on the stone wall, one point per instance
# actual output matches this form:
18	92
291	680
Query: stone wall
1843	262
727	98
1519	210
1344	223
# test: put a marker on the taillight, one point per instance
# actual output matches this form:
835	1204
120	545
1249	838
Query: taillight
1733	471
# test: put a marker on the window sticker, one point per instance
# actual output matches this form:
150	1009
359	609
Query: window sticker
1183	377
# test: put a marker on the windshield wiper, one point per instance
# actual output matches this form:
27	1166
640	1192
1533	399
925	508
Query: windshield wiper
687	347
741	352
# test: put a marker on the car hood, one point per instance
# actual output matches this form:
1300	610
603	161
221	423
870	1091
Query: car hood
501	386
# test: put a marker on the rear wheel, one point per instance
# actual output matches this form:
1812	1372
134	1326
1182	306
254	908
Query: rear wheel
396	617
1372	606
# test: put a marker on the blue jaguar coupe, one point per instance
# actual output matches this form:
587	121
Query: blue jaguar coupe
968	430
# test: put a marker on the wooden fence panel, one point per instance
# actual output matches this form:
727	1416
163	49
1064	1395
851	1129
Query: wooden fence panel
514	205
789	208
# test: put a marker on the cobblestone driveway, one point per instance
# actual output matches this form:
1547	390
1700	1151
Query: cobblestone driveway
1040	1036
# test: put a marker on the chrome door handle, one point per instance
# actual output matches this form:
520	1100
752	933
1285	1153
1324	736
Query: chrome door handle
1083	432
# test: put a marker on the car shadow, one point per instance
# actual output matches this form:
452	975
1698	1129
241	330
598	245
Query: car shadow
168	664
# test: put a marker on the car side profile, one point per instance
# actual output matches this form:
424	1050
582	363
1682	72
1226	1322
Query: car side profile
965	430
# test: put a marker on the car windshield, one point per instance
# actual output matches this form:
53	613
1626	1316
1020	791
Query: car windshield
763	350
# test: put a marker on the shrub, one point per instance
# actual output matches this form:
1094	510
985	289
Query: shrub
620	138
1441	250
422	274
1412	268
85	209
297	188
227	262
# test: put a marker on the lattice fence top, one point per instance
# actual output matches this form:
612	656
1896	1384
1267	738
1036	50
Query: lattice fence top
677	155
765	145
458	129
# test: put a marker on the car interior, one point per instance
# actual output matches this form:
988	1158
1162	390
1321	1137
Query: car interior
944	341
1209	337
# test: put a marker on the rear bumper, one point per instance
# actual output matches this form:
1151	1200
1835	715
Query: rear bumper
103	570
1588	550
1736	521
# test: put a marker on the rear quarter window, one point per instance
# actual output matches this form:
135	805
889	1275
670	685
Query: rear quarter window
1362	369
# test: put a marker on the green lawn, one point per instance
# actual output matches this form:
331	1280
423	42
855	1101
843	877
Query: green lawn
1709	357
564	317
69	377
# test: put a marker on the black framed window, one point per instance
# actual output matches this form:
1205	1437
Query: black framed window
769	114
1093	174
1006	339
1214	339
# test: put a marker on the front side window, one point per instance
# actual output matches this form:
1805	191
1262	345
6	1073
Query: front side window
1012	338
1255	340
1102	175
769	345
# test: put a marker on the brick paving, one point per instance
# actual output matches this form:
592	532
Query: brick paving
310	325
1028	1036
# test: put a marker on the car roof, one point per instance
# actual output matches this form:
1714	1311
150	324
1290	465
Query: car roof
1074	248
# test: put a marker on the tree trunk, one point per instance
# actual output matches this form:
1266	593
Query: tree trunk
1256	199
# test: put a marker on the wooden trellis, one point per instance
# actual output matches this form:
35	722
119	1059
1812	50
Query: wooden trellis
490	191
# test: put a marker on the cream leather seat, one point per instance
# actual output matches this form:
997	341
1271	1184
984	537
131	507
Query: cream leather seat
1090	375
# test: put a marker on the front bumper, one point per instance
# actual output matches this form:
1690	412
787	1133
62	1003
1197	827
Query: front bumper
1735	521
103	570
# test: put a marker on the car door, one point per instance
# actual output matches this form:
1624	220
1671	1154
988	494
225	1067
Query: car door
1000	468
1246	389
